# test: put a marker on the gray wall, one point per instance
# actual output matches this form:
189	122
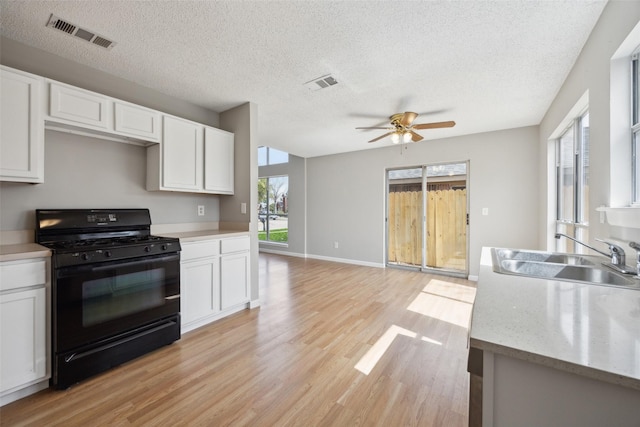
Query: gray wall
83	172
591	73
37	61
295	169
243	122
346	193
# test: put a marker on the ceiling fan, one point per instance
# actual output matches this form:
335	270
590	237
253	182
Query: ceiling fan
402	129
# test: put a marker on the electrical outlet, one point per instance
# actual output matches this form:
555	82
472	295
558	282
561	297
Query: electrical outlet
335	245
200	210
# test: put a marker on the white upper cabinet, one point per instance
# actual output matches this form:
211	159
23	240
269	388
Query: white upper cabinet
131	119
181	154
21	127
79	106
218	161
191	157
75	110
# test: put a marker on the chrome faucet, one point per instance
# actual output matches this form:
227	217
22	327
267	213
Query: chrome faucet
636	246
616	254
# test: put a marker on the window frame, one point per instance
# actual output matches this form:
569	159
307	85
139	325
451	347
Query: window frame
577	226
635	127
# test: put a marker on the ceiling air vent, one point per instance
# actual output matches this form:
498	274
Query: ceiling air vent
321	82
81	33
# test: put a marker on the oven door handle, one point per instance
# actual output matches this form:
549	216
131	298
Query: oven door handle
168	258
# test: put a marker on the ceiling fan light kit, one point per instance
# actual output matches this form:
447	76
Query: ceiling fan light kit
402	128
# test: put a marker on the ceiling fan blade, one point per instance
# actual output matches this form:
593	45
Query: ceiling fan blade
435	125
415	137
375	127
380	137
408	118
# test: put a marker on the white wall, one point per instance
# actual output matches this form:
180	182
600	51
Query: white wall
591	73
346	193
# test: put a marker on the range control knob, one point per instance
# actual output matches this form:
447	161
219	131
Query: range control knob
147	249
164	247
107	254
85	257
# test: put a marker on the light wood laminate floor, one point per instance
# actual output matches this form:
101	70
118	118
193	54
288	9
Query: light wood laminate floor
331	345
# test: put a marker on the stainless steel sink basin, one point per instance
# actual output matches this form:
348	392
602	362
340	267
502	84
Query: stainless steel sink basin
553	257
558	266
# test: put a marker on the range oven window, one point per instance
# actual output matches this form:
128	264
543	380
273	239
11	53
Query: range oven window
113	297
97	301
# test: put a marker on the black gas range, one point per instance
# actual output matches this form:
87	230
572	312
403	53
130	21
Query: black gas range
115	288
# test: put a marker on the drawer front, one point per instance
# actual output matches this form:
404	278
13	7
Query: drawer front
22	274
238	244
79	106
194	250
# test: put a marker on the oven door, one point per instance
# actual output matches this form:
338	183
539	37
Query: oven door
100	301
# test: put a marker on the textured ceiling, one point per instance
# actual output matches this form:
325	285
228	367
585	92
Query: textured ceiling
488	65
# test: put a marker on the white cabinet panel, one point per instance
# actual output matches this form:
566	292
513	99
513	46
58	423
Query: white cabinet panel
200	289
234	279
78	106
181	154
137	121
21	127
23	351
218	161
22	274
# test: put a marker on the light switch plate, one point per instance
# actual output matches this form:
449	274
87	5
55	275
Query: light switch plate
485	211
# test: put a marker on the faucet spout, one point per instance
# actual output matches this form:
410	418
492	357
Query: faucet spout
558	235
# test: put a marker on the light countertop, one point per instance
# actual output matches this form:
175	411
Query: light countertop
194	236
23	251
586	329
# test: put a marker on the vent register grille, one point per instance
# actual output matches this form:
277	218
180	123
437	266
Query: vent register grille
81	33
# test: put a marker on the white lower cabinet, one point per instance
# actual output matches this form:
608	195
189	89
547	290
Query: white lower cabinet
234	271
214	280
200	295
24	342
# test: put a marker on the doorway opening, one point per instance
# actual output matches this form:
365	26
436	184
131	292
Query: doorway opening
427	218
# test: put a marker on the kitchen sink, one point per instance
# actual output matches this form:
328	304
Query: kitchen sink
559	266
553	257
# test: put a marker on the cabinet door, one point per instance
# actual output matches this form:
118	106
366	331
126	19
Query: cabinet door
181	154
234	279
23	347
21	127
199	289
218	161
137	121
78	106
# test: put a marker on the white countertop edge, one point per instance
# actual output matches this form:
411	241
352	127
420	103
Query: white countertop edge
562	365
22	251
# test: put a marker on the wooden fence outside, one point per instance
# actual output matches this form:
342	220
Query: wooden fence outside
446	228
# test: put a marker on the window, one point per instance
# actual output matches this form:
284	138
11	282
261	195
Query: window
271	156
273	197
635	128
572	184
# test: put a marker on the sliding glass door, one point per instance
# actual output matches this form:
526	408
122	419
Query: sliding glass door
427	218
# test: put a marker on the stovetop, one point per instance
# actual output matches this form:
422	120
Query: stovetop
107	242
86	236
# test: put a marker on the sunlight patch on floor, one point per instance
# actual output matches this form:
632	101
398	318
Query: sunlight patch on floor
375	353
446	301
